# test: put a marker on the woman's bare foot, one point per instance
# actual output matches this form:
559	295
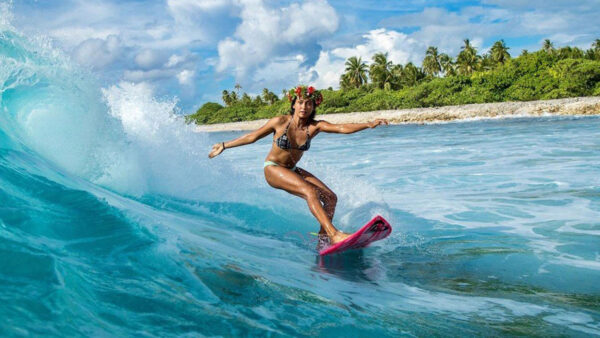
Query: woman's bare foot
338	237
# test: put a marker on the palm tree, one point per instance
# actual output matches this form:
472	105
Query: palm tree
447	64
548	46
486	62
269	96
356	71
273	98
499	52
226	98
397	77
569	52
246	99
412	74
467	60
345	82
594	52
237	88
381	70
431	62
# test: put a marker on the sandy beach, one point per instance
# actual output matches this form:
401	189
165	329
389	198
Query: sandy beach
570	106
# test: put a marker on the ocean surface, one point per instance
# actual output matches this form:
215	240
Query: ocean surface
113	222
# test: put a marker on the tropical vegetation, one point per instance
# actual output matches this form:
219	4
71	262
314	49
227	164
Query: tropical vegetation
470	77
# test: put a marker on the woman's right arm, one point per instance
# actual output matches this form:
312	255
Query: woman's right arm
252	137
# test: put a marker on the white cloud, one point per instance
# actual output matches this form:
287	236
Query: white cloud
97	53
71	37
267	33
179	67
187	11
149	58
399	46
138	76
277	74
174	60
200	22
185	76
326	71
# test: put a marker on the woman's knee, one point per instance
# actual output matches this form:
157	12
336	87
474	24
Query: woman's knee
310	193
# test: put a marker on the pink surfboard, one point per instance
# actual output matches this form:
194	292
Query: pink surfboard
377	228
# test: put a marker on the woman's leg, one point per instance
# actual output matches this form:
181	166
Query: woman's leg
326	195
285	179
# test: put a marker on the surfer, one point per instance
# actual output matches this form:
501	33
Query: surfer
292	136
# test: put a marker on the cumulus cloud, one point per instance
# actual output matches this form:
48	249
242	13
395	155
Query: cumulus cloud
143	41
185	76
266	33
181	67
277	74
326	71
200	22
97	53
148	58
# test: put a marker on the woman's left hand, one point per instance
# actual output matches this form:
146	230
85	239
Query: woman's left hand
216	149
378	122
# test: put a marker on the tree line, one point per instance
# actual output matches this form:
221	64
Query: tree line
233	97
383	74
440	80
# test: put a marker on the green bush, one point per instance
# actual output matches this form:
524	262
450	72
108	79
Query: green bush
377	100
204	114
578	77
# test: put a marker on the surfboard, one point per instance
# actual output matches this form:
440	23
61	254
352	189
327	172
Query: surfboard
376	229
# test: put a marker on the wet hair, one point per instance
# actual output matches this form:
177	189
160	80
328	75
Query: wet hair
312	115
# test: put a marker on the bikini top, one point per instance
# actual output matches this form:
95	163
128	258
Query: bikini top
283	141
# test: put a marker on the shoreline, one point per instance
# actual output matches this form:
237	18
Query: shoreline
589	105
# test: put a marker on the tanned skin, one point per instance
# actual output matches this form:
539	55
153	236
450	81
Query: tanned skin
320	199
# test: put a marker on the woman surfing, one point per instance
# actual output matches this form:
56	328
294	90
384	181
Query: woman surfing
292	136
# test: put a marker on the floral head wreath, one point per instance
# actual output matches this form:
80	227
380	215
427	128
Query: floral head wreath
306	92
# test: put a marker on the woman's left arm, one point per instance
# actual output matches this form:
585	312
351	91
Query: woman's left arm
349	128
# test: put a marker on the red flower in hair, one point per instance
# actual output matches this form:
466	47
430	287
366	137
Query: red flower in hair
306	93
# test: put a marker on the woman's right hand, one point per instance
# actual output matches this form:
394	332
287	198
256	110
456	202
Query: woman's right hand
216	150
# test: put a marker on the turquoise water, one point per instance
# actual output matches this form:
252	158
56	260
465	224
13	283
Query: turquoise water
114	222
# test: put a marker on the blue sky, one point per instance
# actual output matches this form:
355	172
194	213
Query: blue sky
193	49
